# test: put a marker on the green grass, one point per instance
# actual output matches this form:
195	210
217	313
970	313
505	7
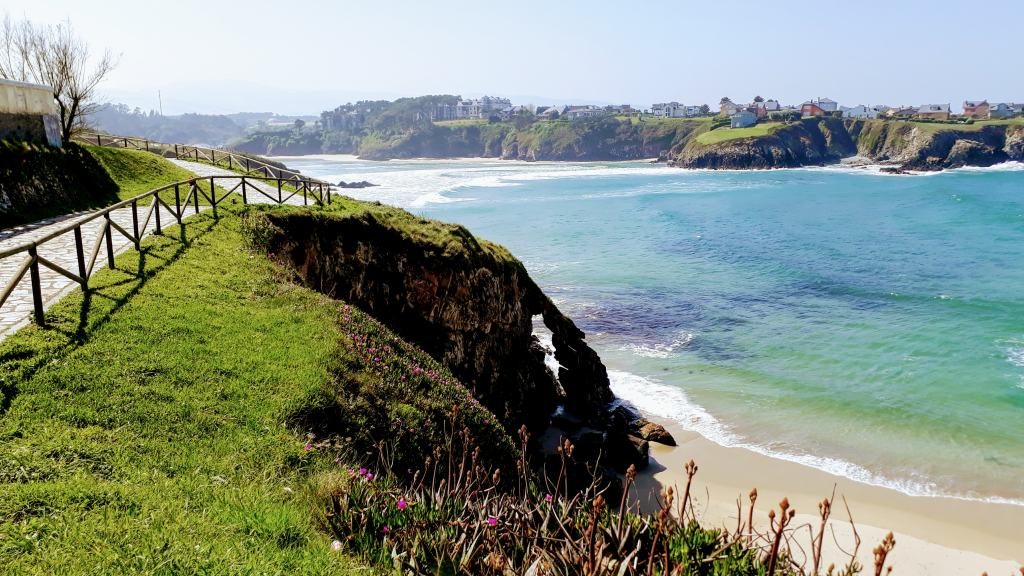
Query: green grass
157	426
935	127
462	122
136	171
726	134
143	433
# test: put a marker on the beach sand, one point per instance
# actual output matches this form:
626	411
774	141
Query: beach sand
934	536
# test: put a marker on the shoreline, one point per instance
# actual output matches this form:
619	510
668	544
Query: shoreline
934	535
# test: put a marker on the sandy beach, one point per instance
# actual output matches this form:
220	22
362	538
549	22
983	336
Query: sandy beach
934	536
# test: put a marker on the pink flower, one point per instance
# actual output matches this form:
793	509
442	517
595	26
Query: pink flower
491	520
402	504
548	498
362	471
307	447
369	475
385	529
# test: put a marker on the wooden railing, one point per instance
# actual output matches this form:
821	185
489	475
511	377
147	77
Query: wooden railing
34	253
226	158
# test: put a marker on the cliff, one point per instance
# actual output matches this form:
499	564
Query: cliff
819	141
580	140
466	302
804	143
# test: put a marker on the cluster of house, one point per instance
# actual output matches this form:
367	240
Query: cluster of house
475	108
502	108
743	115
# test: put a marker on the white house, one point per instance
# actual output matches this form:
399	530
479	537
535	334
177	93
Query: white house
672	110
827	104
1000	110
860	111
771	106
742	119
580	112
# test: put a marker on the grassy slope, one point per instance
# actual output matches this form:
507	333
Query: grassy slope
726	134
146	431
156	444
136	171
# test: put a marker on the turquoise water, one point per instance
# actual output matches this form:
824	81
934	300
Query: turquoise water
865	324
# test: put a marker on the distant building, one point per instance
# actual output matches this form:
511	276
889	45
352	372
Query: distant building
550	112
810	109
902	112
727	107
772	106
443	112
1000	110
622	110
581	112
881	109
860	111
976	109
743	119
28	113
827	105
481	107
933	112
819	107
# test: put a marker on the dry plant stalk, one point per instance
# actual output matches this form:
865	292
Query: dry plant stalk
778	528
883	550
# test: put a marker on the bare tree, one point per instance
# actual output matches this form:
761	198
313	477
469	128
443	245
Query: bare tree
56	57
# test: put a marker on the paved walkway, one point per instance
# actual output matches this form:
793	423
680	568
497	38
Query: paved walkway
206	170
17	310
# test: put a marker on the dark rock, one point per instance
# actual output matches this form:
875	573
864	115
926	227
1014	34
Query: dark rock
361	184
894	170
654	432
566	421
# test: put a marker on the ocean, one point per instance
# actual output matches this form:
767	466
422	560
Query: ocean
865	324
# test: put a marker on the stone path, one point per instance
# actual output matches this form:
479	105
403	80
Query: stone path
206	170
17	310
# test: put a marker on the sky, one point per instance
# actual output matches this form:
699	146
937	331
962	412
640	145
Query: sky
304	56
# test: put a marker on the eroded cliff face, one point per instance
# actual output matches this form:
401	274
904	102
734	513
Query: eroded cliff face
819	141
467	303
805	143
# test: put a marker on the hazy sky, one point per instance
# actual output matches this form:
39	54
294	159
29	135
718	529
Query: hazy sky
302	56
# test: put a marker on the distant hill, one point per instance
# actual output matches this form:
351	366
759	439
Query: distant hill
202	129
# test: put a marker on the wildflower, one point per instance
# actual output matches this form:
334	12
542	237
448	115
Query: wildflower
385	529
492	521
336	545
362	471
402	504
307	447
369	475
548	498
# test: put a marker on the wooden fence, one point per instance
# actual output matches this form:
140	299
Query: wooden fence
187	195
224	158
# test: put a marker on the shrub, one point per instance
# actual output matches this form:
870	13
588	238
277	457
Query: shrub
458	517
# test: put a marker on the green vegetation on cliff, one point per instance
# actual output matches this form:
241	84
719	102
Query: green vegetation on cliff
159	426
726	134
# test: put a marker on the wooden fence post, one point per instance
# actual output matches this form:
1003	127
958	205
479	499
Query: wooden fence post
137	239
110	242
37	289
80	253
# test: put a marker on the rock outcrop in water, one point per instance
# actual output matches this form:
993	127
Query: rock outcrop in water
468	303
